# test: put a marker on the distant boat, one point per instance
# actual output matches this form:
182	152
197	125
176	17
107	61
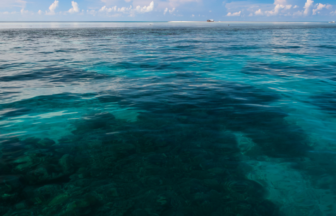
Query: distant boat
210	20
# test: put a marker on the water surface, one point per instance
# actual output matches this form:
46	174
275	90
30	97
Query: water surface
122	118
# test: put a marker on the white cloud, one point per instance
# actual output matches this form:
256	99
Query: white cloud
170	11
124	9
52	8
23	11
258	12
193	15
277	8
275	11
234	14
75	8
320	6
307	7
145	9
108	10
115	9
39	12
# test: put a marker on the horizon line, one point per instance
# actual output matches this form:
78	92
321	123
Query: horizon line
165	21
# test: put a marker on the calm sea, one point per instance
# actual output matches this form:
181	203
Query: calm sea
167	119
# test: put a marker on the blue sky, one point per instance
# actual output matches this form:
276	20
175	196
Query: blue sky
166	10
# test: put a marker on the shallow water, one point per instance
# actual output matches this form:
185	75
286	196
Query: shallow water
168	119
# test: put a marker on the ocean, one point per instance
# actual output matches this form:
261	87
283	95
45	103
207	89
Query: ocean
167	119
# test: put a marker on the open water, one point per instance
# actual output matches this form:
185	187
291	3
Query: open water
160	119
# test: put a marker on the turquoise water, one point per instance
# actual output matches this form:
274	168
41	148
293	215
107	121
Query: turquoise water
168	119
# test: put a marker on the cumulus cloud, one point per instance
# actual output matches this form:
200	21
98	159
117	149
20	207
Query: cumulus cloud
124	9
75	8
108	10
275	11
279	4
234	14
308	6
23	11
295	6
115	9
145	9
320	6
170	11
258	12
52	8
39	12
130	10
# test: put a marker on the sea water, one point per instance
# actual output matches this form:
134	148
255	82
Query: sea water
170	118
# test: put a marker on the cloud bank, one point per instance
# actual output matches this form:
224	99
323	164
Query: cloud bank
157	9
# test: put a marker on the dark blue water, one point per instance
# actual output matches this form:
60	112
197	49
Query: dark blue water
167	119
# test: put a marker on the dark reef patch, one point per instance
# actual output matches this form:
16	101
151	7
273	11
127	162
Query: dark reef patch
326	102
230	106
155	166
179	158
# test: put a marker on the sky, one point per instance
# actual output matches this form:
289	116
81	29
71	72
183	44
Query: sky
167	10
